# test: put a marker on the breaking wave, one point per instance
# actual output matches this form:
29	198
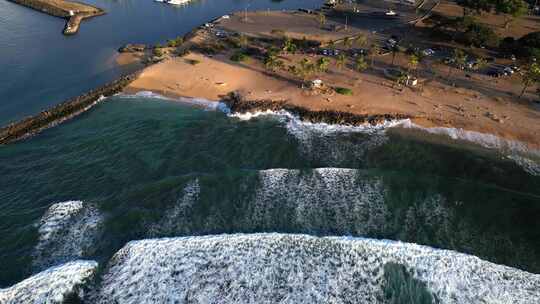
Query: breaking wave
333	144
67	231
53	285
324	200
270	268
176	217
519	152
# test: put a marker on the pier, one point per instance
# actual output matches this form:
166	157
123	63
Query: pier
74	12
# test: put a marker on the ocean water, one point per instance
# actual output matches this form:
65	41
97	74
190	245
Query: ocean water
171	173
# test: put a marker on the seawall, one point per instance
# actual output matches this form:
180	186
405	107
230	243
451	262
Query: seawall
62	112
74	17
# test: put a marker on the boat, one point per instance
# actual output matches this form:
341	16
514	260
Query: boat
174	2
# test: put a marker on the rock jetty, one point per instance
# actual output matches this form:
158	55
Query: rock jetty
74	12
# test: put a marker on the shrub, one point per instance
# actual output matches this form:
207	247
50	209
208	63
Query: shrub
175	42
193	61
277	32
480	35
239	57
157	52
343	91
531	40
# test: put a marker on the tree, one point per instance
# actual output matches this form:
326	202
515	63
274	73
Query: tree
157	52
401	79
340	61
243	40
459	59
481	63
307	68
331	44
289	46
361	40
360	64
529	76
395	50
347	42
414	60
322	64
511	9
374	50
272	63
475	6
322	19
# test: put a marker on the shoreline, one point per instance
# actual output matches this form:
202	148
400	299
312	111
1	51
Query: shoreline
248	87
73	12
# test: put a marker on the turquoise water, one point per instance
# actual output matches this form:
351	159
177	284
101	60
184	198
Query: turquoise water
146	168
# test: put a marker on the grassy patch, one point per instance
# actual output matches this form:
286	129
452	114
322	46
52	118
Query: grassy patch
239	57
193	61
343	91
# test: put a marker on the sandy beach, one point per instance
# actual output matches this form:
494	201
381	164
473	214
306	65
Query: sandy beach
465	100
438	106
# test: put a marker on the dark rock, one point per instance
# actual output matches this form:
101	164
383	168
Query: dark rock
238	104
132	48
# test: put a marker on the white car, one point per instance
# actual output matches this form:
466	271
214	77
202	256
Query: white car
508	71
428	52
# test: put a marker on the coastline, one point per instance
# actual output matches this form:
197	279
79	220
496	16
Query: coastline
249	87
73	12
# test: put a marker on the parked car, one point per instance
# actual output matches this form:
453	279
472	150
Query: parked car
358	52
391	42
428	52
508	71
496	73
329	52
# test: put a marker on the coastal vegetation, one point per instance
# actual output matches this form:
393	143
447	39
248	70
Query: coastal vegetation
343	91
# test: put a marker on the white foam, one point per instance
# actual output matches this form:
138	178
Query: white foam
528	159
67	231
329	143
325	199
51	285
176	217
200	102
278	268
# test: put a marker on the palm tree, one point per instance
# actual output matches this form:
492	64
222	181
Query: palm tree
289	46
322	19
347	42
272	63
306	69
395	50
459	59
530	75
340	61
374	50
414	60
243	40
331	44
361	64
361	40
322	64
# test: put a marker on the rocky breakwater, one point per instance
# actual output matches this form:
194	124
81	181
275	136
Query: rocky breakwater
74	12
62	112
238	104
